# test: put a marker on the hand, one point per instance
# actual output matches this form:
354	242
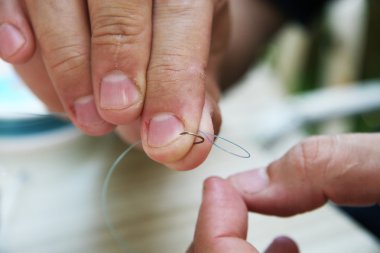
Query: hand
222	223
344	169
150	67
178	46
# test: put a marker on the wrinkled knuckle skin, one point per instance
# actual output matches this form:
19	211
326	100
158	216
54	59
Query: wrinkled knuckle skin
176	63
115	26
175	74
67	59
313	157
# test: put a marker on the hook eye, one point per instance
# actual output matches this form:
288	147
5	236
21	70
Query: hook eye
197	136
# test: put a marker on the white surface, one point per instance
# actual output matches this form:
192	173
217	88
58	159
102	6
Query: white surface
15	97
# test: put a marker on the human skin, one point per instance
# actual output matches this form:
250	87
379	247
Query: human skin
344	169
222	223
318	169
151	69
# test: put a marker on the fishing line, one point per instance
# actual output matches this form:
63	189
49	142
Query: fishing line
199	139
104	200
211	137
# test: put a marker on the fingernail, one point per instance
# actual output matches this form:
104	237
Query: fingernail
11	40
86	112
250	182
164	128
117	91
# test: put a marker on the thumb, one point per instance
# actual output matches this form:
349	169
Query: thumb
344	169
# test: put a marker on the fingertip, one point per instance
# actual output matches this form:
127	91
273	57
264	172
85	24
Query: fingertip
276	190
250	182
97	129
16	42
215	187
194	158
219	199
283	244
212	183
222	220
162	139
120	99
87	118
261	194
197	153
211	186
163	129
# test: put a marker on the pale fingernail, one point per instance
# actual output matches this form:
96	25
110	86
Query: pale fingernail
86	112
164	128
11	40
250	182
117	91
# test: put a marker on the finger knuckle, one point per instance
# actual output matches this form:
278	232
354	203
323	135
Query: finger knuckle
176	77
314	156
176	68
67	59
117	26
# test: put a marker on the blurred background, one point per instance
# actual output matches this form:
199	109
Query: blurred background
324	79
335	67
340	49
